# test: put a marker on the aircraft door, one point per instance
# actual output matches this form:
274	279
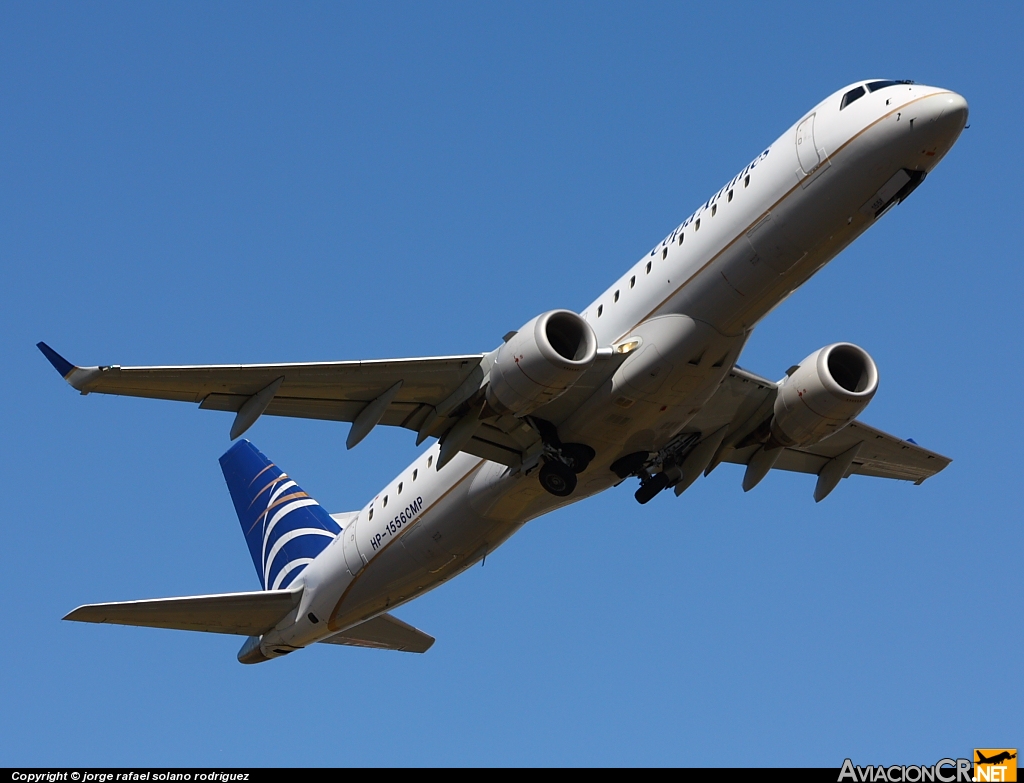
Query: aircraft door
349	548
806	149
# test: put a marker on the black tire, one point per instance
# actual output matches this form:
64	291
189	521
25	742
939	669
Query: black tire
557	479
651	487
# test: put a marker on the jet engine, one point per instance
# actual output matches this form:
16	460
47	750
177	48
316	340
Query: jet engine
540	362
825	392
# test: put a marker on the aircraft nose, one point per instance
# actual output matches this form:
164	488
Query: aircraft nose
954	111
942	117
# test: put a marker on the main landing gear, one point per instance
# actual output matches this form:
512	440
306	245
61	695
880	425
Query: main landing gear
557	478
635	464
651	487
642	464
562	461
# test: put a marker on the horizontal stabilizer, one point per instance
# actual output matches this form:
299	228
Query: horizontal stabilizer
384	632
246	614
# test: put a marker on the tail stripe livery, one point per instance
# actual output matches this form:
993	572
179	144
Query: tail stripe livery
283	541
300	563
284	527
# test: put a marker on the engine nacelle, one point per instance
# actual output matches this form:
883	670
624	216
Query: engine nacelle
825	393
540	362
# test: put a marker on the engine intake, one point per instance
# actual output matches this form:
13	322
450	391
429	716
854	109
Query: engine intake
540	362
827	391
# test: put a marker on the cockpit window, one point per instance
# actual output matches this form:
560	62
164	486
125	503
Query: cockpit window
873	86
851	96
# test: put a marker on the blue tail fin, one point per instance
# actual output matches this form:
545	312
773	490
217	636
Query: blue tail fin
283	526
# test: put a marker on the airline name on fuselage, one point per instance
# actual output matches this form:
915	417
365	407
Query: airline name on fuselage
708	204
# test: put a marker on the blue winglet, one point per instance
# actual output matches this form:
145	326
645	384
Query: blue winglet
60	364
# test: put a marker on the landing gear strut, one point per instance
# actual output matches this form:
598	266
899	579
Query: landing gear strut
576	456
562	461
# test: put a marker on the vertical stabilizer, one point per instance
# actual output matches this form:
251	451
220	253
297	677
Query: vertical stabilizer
283	526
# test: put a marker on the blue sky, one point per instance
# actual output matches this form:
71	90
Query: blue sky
194	183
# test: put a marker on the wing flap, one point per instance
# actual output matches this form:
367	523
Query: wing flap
245	614
384	632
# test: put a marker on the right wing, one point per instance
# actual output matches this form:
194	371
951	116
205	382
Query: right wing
384	632
246	614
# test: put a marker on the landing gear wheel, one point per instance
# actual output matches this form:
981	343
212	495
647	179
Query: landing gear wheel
651	487
557	479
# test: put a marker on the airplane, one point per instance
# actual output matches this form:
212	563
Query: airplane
642	383
999	758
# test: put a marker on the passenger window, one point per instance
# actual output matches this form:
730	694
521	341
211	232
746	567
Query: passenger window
430	461
664	253
746	180
385	503
616	297
649	266
632	281
600	309
414	474
681	235
399	487
851	96
696	226
714	210
730	195
371	514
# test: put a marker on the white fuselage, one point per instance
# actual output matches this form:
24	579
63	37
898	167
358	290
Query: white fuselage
691	303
